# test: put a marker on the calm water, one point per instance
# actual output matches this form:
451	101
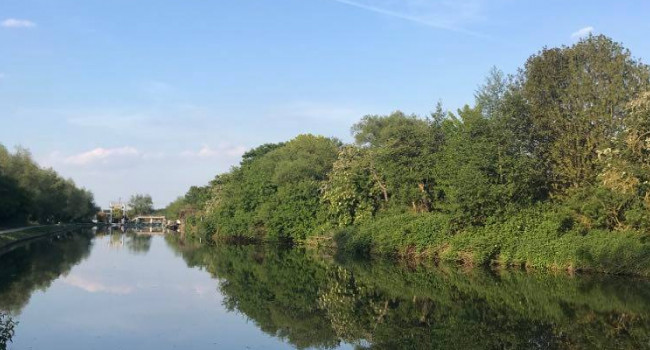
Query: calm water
127	291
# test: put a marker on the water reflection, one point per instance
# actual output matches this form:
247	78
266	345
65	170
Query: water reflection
135	241
321	302
34	266
129	288
7	326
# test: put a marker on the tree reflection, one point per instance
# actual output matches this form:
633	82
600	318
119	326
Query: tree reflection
138	243
314	302
135	242
7	326
36	265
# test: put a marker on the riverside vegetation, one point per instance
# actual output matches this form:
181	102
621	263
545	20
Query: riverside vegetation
548	169
29	193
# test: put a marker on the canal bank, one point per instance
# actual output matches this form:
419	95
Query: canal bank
11	238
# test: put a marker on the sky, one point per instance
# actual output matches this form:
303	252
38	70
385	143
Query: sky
154	96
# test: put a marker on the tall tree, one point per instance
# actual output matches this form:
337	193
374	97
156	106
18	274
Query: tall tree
577	97
490	96
483	169
141	204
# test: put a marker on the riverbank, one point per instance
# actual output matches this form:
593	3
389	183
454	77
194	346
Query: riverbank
531	239
9	238
543	238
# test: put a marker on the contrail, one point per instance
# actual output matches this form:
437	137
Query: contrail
414	19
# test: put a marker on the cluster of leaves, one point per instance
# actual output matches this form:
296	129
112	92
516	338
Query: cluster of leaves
31	193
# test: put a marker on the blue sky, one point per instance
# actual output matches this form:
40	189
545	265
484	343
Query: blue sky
149	96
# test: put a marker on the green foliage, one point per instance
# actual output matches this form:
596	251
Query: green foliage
14	206
31	193
491	95
274	193
140	204
543	236
577	97
196	197
173	210
483	170
194	200
352	192
564	144
402	154
400	234
620	199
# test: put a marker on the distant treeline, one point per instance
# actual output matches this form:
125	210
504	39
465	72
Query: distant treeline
29	193
549	167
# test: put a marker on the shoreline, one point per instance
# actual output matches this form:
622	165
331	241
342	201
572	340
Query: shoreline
12	238
432	255
470	256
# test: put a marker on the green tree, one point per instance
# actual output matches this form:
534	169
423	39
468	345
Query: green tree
31	193
621	197
402	150
490	96
484	170
274	193
14	201
141	204
196	196
577	98
353	191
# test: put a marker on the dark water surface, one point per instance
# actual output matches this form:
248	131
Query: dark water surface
128	291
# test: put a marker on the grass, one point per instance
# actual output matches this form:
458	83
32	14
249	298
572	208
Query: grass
539	237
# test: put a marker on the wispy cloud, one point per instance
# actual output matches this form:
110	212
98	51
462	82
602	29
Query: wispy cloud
101	155
223	150
582	32
441	14
17	23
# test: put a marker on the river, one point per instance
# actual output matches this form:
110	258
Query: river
95	290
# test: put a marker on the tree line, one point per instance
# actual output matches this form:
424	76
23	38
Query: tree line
30	193
564	143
